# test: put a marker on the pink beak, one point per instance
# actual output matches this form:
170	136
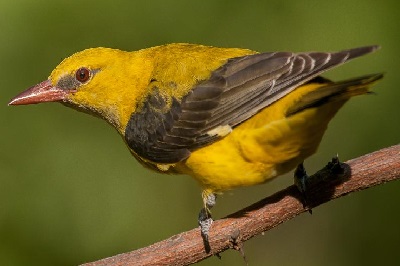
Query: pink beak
42	92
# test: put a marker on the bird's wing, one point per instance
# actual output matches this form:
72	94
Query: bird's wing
236	91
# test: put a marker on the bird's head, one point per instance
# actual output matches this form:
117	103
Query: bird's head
95	80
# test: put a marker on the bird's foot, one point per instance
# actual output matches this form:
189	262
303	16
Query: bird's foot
205	220
335	165
300	180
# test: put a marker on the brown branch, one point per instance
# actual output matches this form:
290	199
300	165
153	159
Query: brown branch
366	171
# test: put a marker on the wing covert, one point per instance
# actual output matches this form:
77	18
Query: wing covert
236	91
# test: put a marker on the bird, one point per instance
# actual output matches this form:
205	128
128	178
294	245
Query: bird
228	117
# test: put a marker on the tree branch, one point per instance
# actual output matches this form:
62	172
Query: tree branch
327	184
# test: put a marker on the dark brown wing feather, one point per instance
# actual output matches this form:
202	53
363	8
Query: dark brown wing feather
234	92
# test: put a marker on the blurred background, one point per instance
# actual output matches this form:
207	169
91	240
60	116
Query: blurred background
71	193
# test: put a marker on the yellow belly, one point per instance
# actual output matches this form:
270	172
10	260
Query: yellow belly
265	146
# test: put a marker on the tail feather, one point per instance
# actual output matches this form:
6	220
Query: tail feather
341	90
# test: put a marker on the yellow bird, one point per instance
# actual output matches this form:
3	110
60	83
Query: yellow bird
227	117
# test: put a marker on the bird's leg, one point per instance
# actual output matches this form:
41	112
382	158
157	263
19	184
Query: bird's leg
300	180
300	177
205	220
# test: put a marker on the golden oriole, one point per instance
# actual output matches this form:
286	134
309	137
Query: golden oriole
227	117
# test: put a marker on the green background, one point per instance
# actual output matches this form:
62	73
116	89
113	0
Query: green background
71	193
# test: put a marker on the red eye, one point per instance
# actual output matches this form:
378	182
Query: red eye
82	74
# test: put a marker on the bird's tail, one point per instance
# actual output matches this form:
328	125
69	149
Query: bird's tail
334	91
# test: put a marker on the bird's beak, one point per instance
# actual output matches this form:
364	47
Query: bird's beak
42	92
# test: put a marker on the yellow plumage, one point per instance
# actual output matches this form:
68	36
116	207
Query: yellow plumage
115	92
268	145
227	117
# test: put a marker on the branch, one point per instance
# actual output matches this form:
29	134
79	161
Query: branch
231	232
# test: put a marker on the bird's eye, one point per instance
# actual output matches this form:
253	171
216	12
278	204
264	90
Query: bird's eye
82	74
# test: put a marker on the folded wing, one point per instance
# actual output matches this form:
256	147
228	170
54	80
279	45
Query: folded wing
234	93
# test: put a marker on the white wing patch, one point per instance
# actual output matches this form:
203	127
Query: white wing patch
220	131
